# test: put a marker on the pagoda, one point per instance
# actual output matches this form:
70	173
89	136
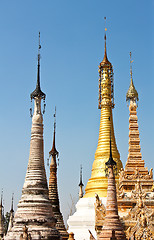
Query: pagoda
135	180
53	189
34	217
83	219
112	227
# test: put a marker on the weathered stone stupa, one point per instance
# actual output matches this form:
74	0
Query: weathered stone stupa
34	212
112	227
53	189
84	218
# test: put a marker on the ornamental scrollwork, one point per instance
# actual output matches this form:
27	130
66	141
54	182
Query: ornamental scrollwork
136	175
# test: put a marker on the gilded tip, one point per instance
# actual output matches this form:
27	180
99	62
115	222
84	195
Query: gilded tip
105	59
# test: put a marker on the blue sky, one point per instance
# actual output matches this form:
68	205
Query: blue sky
72	39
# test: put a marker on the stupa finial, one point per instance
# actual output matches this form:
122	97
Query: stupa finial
110	162
105	59
12	202
81	184
105	54
132	94
54	151
37	92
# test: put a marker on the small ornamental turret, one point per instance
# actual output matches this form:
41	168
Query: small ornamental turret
81	184
112	227
53	189
11	216
35	209
1	219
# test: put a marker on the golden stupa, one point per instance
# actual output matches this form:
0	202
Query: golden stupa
98	182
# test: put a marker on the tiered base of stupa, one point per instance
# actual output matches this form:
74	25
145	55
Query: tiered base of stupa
36	232
60	225
84	218
38	222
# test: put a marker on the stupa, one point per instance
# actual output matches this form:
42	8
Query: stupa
53	189
135	169
34	217
84	217
112	227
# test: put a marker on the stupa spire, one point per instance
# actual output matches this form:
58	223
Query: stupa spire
53	189
12	202
105	59
1	216
11	214
37	92
112	227
132	94
81	184
110	161
34	211
98	181
54	151
134	157
135	170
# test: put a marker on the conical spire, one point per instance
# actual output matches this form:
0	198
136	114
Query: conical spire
11	215
112	227
35	209
98	181
134	156
110	161
12	202
53	189
1	216
132	94
105	59
81	184
54	151
135	166
37	92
